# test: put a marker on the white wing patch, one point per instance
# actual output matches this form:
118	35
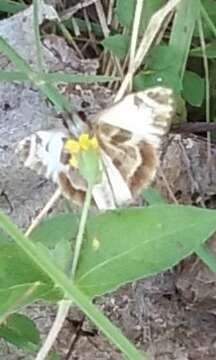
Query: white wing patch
42	151
141	114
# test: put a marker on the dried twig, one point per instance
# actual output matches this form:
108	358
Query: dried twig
44	211
110	11
135	33
102	18
154	26
196	127
167	185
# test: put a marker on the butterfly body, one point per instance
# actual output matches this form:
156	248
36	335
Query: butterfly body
129	134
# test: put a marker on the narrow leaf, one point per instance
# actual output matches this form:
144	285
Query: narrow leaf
181	35
12	7
210	51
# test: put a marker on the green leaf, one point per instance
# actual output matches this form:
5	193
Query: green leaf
207	256
161	57
210	51
4	239
138	242
14	297
83	26
62	254
118	45
10	6
125	12
61	227
16	269
210	6
209	19
182	31
20	331
167	77
193	88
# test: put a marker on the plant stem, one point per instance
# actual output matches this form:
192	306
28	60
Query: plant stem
82	224
62	312
64	305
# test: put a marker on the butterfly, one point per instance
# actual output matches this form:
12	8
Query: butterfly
129	134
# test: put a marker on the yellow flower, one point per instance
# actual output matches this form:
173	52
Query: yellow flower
75	147
72	146
84	141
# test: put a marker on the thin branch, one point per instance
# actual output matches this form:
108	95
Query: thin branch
102	18
44	211
110	11
196	127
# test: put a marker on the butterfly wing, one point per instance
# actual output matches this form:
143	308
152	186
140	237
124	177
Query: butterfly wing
146	114
113	191
130	133
43	152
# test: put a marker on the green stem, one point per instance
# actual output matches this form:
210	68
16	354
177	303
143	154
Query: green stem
70	289
82	224
60	101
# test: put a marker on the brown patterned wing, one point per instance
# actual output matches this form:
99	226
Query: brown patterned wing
131	132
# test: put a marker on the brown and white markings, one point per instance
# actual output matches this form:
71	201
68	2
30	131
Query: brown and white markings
129	135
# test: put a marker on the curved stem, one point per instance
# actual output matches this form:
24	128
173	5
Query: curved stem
62	312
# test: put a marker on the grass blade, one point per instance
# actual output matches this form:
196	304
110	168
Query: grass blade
11	7
13	76
187	14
